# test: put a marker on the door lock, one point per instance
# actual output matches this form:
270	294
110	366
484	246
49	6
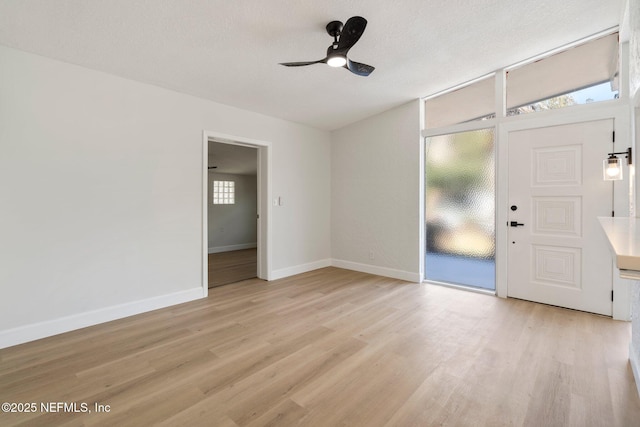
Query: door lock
515	224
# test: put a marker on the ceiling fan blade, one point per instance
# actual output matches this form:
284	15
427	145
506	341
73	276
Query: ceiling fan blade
302	64
358	68
351	33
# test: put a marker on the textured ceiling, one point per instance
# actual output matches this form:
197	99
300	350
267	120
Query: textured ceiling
228	51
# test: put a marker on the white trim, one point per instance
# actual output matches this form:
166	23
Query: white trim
562	115
623	73
298	269
378	271
635	367
422	198
623	197
264	197
574	114
501	212
460	127
230	248
204	272
461	287
635	98
35	331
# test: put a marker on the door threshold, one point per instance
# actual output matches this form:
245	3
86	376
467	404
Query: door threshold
461	287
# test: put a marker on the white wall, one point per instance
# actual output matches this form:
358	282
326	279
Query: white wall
375	189
634	46
634	86
634	347
101	192
233	226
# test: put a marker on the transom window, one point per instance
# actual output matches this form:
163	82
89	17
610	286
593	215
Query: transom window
581	74
475	101
224	193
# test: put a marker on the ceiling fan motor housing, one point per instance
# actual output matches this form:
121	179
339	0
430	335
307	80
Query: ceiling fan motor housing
334	28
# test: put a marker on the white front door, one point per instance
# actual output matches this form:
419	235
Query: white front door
557	254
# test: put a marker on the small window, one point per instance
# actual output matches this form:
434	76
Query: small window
595	93
224	193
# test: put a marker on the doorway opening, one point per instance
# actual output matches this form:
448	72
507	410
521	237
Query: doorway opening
232	227
235	210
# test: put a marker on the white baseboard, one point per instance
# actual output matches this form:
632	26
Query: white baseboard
298	269
379	271
635	367
22	334
218	249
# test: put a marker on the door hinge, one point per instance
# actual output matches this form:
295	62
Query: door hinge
612	296
613	137
613	213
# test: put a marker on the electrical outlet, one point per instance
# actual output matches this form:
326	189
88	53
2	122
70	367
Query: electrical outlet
372	255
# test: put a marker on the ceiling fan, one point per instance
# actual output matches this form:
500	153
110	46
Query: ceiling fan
344	37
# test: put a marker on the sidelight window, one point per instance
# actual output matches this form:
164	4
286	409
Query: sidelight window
460	212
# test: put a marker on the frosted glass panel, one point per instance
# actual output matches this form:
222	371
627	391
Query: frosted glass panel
460	209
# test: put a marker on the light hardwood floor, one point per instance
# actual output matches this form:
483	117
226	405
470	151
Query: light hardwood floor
334	348
232	267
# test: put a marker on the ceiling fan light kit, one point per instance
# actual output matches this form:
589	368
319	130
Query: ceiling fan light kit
336	60
344	38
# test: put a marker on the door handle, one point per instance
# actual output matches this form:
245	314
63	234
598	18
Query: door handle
515	224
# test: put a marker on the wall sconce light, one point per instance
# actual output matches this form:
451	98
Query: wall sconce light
612	166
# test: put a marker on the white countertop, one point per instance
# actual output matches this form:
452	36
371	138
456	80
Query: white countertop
624	238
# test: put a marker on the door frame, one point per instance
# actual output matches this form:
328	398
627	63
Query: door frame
264	196
620	114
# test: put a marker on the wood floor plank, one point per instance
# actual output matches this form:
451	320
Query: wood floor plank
232	267
287	413
306	366
333	347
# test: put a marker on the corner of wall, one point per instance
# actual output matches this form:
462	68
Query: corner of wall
299	269
378	271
